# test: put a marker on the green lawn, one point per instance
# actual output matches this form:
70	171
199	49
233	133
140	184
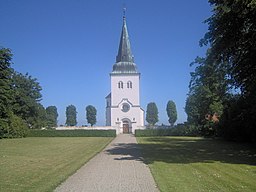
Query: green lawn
197	164
41	164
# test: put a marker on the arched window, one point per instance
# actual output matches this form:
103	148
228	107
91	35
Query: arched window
120	85
129	84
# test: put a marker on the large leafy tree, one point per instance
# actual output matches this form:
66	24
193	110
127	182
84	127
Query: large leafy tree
91	113
71	115
152	114
19	100
27	97
51	115
171	112
231	37
207	93
5	89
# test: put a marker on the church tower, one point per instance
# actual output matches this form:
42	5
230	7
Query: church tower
123	109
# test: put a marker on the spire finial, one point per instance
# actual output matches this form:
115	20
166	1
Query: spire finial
124	11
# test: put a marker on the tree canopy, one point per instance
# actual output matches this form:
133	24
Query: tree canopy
71	115
222	91
51	116
27	97
20	97
231	35
171	112
91	113
5	89
152	113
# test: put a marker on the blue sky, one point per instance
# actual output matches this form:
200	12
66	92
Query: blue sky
70	47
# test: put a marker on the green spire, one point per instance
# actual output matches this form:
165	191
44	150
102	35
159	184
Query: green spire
124	51
124	59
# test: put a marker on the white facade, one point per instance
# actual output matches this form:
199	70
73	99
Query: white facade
123	104
123	109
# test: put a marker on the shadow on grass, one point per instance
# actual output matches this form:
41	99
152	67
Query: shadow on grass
185	150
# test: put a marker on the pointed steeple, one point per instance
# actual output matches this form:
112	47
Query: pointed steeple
124	59
124	51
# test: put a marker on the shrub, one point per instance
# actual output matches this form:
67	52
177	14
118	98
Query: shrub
15	127
72	133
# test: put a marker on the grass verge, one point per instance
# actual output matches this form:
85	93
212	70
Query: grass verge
195	164
41	164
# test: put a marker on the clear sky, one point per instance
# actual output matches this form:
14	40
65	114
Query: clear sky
70	47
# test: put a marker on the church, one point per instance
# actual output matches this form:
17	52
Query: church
123	110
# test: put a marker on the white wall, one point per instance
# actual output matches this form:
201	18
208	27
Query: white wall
125	95
133	94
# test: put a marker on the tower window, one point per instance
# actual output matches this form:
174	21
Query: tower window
129	84
120	85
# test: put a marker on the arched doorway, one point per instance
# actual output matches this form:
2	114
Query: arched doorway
126	126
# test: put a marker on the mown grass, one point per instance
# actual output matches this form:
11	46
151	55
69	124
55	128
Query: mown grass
198	164
41	164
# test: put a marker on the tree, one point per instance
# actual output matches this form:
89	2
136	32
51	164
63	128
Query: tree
11	125
71	115
171	112
51	115
231	37
26	103
91	113
20	98
207	93
152	114
6	93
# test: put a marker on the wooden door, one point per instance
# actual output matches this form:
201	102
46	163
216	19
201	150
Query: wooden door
125	128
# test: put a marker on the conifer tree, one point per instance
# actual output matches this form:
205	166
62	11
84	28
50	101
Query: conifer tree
91	113
152	114
171	112
71	115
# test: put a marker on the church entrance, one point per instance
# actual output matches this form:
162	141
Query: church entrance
126	127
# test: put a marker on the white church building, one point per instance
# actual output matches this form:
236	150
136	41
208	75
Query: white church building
123	111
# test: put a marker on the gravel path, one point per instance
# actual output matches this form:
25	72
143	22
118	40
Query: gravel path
119	167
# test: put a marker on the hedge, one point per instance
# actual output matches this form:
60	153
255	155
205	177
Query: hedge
178	130
72	133
153	132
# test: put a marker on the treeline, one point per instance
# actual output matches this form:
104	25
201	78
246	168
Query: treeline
20	96
20	107
152	113
222	91
71	119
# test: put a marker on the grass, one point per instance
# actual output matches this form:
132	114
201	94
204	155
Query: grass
197	164
41	164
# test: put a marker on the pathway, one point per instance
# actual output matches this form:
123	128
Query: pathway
119	167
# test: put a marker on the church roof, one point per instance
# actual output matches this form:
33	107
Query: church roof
124	59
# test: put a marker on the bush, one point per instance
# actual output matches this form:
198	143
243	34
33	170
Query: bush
72	133
15	128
